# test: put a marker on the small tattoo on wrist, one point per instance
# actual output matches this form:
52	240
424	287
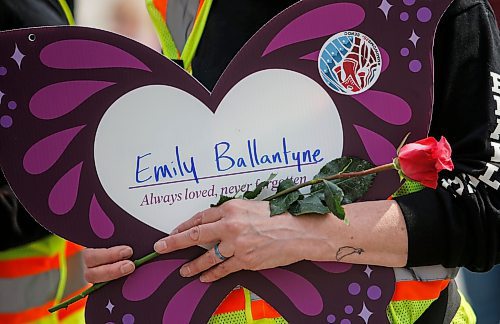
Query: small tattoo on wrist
346	251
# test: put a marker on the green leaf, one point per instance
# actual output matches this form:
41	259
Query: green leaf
281	204
285	184
308	205
222	200
333	198
336	166
353	188
254	193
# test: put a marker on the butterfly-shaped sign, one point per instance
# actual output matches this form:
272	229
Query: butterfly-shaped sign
106	142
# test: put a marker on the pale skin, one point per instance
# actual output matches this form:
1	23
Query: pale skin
252	240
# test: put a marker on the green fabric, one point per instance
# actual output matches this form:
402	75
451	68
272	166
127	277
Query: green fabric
67	12
50	319
240	318
229	318
63	276
195	36
408	187
407	311
77	317
167	42
45	247
465	314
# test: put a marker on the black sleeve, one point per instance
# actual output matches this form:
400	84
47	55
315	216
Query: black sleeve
16	225
21	13
459	223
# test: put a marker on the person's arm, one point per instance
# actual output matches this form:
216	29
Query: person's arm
252	240
459	223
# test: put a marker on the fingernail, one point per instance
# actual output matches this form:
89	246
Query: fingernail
185	271
127	268
160	246
126	252
203	278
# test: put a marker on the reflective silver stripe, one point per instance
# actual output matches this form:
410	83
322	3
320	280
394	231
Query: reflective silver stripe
254	297
181	15
454	301
75	280
428	273
20	294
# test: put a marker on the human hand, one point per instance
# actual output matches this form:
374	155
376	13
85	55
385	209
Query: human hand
107	264
249	239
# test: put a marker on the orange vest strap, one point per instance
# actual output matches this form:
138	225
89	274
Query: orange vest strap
39	312
234	302
419	290
72	249
31	266
199	8
75	307
161	5
28	316
28	266
261	309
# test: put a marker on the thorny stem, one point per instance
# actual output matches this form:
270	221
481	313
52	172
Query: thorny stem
341	175
94	287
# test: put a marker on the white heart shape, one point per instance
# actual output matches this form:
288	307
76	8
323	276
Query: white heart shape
144	128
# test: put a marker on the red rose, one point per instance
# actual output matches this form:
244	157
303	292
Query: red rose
421	161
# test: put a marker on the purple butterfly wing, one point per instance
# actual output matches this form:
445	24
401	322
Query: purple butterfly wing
51	152
375	121
69	76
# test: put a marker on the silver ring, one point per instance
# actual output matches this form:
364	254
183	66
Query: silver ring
218	254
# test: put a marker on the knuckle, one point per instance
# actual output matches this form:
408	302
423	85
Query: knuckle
194	234
244	259
240	242
217	272
211	258
221	270
233	226
231	207
88	257
198	218
88	276
248	259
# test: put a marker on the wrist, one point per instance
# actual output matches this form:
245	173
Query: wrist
306	236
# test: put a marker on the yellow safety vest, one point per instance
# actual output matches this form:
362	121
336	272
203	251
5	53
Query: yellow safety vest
176	48
37	276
